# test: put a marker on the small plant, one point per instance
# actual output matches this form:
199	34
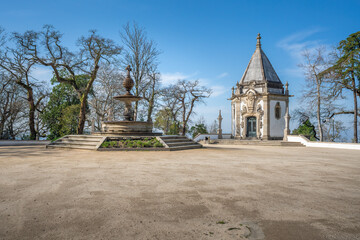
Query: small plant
147	144
220	222
158	144
113	143
233	228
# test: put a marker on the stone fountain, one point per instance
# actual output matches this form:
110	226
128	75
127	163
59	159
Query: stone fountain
126	129
128	126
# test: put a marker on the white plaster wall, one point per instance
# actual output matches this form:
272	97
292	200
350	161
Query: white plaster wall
277	125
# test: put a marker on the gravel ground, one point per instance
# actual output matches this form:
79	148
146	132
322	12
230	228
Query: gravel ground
248	192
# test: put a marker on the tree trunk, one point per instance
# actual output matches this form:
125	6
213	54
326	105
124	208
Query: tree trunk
151	106
183	130
150	109
82	114
30	99
2	125
4	116
355	108
318	111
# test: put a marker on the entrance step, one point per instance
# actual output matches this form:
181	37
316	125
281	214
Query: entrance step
257	142
292	144
248	142
176	142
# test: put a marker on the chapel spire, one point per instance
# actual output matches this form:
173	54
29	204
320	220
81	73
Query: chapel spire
259	68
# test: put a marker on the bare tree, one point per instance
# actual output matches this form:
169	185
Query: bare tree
142	55
45	48
102	104
11	108
314	63
166	117
151	93
14	61
188	94
213	127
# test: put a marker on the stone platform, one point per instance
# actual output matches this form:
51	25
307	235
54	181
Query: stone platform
93	142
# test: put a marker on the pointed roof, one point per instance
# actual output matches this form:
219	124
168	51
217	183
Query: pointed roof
259	67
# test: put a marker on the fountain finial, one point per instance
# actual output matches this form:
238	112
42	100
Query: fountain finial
128	82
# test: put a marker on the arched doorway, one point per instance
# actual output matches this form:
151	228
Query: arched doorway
251	127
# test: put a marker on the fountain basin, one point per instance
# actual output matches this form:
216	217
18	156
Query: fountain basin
133	128
125	98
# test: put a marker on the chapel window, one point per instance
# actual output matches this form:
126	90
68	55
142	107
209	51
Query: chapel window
277	110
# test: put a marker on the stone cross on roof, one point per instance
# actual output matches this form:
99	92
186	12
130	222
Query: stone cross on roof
258	44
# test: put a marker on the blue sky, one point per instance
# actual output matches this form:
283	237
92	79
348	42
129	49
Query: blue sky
207	40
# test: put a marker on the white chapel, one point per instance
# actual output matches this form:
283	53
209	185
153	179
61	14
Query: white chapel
259	102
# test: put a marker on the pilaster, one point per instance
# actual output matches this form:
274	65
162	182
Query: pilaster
266	119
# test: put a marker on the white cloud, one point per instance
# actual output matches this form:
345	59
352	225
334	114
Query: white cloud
225	74
296	43
171	78
41	73
218	90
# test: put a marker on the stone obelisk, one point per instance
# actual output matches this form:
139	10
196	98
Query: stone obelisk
219	129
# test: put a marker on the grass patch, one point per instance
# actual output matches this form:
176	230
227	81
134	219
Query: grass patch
131	143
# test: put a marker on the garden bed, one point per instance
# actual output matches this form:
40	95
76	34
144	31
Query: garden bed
132	144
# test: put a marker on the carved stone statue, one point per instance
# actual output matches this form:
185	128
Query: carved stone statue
250	101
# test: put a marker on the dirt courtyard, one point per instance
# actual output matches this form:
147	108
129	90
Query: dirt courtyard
251	192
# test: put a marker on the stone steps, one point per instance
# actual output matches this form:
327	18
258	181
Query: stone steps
77	142
176	142
71	146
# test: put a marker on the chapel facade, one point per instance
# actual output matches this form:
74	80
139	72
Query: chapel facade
259	102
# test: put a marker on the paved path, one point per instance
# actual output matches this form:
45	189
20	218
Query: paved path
245	193
22	142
